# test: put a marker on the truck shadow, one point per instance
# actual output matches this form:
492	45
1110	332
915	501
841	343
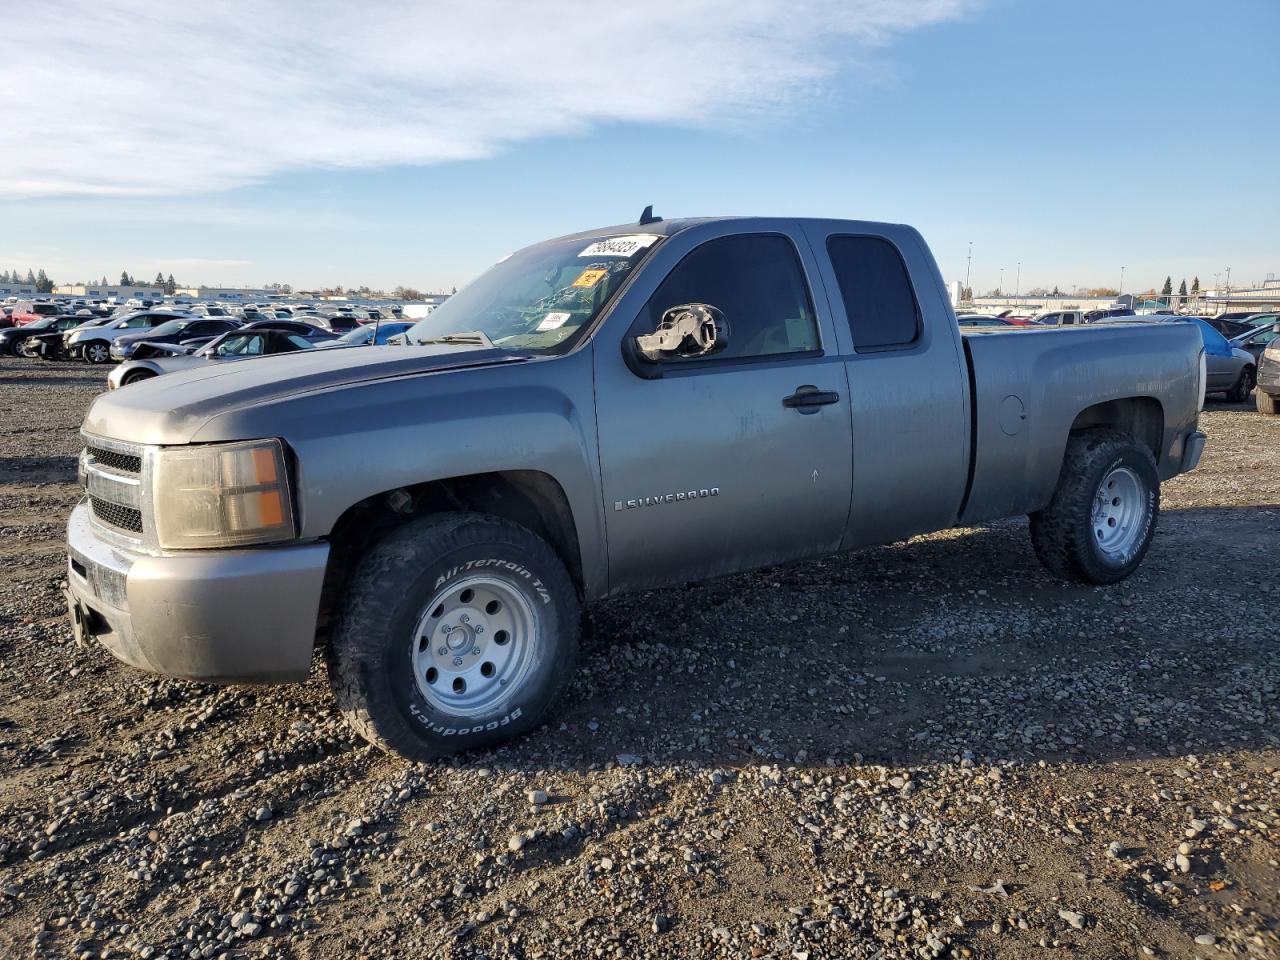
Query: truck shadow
952	645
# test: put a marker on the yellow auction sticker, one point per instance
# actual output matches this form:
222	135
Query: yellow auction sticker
589	278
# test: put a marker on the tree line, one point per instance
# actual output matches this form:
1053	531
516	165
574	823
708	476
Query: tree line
39	280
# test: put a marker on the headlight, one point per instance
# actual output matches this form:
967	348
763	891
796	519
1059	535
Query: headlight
223	495
1273	350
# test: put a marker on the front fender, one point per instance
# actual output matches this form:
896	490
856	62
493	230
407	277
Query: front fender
358	440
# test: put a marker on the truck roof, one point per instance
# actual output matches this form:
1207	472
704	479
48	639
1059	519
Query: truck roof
668	228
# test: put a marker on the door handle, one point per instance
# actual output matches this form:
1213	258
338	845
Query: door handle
808	398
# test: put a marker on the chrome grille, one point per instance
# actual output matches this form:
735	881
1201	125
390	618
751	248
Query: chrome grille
116	460
112	474
115	515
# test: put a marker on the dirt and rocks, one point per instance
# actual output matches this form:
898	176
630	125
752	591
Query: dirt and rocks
929	749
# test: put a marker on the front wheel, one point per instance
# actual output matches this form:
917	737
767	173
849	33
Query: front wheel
137	377
458	631
1239	393
1102	518
97	351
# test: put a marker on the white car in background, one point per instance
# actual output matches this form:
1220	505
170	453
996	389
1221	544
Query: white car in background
94	343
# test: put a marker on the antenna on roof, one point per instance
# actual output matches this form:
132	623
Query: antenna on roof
648	217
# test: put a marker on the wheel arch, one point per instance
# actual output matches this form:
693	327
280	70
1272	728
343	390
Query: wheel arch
531	498
1140	417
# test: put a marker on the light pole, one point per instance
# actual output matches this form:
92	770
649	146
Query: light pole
1017	288
1000	285
967	264
1122	281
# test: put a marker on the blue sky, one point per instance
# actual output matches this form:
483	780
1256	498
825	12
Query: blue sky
1072	137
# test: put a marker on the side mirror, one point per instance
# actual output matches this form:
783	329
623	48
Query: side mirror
685	332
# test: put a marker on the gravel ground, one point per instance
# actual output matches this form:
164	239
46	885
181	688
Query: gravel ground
927	749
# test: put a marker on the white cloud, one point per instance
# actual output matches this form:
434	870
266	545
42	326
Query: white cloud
135	97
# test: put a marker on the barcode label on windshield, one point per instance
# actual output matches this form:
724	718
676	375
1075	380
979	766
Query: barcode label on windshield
553	321
626	246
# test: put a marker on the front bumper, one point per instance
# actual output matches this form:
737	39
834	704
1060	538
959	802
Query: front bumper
224	616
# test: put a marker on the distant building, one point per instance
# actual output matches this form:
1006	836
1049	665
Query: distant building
96	291
24	290
227	293
1264	298
1031	305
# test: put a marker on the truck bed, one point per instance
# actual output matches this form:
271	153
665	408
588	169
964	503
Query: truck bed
1029	386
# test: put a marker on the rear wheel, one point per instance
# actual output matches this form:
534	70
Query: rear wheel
1100	522
1267	403
97	351
458	631
1243	386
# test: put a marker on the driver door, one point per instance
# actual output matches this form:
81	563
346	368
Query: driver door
715	464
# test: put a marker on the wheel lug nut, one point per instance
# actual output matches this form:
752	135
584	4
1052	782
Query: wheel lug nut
457	661
479	628
475	651
465	618
442	651
446	628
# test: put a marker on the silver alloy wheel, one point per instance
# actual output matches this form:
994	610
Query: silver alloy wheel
473	646
1119	514
97	353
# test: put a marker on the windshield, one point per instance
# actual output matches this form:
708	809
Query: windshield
168	327
239	345
44	323
539	299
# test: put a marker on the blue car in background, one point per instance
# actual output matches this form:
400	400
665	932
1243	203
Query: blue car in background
364	335
1228	369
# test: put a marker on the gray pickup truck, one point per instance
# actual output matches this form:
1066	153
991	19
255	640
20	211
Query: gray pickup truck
618	410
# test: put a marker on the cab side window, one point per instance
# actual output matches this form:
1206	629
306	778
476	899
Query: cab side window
757	282
877	294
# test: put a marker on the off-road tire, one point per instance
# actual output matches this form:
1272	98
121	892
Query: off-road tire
1240	391
1267	403
369	654
1062	533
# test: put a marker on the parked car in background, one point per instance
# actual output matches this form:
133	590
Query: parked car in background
1255	339
94	343
1059	318
208	310
12	337
29	311
1267	397
337	322
185	330
1093	316
1228	369
50	344
982	320
240	344
364	335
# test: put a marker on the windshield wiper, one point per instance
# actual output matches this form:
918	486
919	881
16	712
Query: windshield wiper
470	336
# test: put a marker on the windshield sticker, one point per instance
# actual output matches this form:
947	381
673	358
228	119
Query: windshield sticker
590	277
627	246
553	321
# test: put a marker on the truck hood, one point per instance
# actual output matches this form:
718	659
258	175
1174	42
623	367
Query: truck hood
171	409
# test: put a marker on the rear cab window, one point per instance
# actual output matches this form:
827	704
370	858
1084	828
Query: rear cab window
877	294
